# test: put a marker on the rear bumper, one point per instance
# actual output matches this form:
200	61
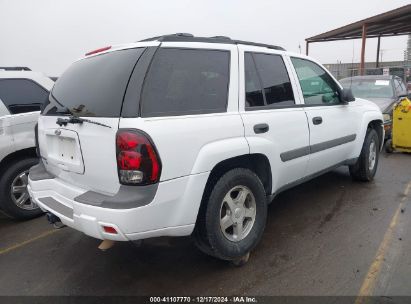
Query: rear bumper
172	210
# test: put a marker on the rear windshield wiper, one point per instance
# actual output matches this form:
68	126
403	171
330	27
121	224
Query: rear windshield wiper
77	120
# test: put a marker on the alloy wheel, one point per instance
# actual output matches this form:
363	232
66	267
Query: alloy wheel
19	193
237	213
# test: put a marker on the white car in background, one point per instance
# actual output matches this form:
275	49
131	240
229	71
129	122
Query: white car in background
22	93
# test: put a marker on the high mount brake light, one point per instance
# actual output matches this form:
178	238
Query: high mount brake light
138	162
98	50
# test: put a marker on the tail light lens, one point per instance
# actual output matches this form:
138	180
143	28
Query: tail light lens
138	162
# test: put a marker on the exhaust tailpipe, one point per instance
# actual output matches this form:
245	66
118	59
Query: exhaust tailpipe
106	245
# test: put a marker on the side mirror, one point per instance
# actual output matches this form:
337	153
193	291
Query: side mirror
347	95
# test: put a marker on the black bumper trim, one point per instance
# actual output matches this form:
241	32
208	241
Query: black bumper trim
127	197
57	206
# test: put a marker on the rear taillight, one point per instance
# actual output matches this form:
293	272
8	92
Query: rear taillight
138	162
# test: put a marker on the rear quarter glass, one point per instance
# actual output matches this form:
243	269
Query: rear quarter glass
186	81
94	86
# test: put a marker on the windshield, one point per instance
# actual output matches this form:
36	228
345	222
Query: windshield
369	88
95	86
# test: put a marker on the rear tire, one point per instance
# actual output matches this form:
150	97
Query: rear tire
15	176
366	166
232	218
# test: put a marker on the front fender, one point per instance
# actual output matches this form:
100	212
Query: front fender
367	117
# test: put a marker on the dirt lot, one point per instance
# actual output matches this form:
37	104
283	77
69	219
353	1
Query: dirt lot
330	236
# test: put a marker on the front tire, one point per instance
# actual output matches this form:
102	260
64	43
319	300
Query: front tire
366	166
233	217
14	198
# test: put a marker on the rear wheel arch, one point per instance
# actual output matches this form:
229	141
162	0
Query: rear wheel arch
15	156
208	233
258	163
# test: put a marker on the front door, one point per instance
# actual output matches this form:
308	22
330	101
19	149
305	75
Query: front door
332	124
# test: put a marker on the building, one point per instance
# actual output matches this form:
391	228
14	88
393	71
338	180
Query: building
343	70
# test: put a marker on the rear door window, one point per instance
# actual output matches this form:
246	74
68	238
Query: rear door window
22	95
94	86
186	81
254	96
267	83
274	79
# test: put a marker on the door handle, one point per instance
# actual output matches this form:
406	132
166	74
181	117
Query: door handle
261	128
317	120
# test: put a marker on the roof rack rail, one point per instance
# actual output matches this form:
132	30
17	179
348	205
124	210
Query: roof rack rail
186	37
221	37
15	69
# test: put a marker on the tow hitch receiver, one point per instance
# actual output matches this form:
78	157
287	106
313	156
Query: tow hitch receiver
52	219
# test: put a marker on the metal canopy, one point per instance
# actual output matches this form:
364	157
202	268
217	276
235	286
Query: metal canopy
393	23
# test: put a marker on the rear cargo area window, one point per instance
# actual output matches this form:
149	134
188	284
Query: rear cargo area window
186	81
22	95
94	86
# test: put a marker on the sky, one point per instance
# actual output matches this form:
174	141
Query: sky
48	35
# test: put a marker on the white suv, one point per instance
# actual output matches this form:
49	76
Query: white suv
180	135
22	92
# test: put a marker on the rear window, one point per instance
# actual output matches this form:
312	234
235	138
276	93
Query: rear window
94	86
186	81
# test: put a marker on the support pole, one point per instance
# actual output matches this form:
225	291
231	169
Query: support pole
378	52
364	38
306	47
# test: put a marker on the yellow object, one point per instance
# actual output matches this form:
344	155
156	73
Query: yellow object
401	126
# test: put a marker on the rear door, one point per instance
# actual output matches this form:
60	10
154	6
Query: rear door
275	123
92	88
